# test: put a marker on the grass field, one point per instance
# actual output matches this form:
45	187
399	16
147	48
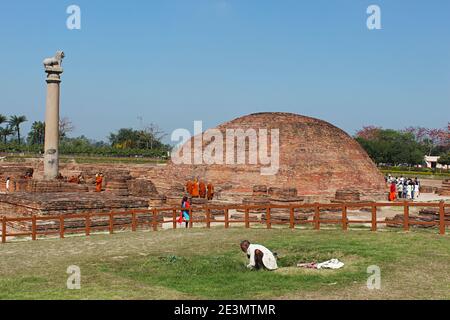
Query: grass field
208	264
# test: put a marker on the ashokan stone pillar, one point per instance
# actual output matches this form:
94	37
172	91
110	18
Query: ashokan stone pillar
53	68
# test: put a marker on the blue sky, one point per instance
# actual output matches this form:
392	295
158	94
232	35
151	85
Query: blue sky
175	61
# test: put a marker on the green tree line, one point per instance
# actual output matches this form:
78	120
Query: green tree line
126	142
407	147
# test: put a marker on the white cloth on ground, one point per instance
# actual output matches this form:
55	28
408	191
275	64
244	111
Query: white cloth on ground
330	264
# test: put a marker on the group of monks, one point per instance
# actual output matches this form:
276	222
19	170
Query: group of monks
80	180
200	189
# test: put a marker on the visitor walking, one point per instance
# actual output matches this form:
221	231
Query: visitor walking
416	189
400	190
185	213
408	190
405	190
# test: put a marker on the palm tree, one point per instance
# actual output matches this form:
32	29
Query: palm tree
15	122
37	133
5	132
3	119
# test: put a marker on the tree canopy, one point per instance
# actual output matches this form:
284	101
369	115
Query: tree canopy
403	147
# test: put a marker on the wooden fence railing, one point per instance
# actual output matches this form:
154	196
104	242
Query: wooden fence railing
151	218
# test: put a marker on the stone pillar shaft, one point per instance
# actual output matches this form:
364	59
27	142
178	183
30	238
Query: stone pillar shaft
51	148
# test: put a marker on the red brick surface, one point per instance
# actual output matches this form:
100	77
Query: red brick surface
316	158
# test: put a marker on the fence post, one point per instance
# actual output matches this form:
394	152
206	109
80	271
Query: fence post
61	226
406	216
191	216
317	217
88	224
227	219
247	218
154	221
268	218
208	218
344	218
3	229
133	220
291	218
174	219
33	227
374	218
111	223
441	217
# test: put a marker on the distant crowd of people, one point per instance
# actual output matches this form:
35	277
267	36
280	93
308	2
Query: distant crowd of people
403	188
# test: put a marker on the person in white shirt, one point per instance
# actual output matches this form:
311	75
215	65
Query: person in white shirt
416	190
260	257
409	191
7	184
400	190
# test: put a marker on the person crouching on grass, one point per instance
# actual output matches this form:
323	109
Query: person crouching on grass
260	257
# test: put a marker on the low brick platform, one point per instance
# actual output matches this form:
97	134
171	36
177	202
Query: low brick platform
20	204
445	189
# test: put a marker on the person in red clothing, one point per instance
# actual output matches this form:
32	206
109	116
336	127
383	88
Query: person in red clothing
185	212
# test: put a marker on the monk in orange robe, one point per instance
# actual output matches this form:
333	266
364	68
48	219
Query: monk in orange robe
98	182
189	187
195	189
210	191
393	192
202	189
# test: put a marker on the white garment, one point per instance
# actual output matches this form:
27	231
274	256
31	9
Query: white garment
269	260
330	264
7	185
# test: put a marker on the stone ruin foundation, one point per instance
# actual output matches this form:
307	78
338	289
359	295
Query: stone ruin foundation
141	187
430	214
29	196
445	189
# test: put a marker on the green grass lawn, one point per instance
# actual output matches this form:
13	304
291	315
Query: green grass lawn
208	264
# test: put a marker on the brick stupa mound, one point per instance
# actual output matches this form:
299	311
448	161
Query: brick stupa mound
316	158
